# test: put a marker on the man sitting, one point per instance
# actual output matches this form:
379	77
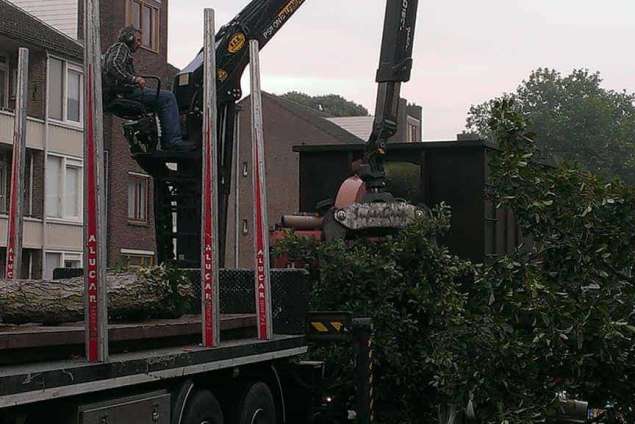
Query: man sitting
120	78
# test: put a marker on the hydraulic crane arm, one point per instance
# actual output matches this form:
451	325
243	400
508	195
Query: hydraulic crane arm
395	65
259	20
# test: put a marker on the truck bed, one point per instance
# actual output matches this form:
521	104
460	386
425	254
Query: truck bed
28	383
33	336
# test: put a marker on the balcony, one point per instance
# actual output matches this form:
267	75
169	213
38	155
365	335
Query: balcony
66	140
62	138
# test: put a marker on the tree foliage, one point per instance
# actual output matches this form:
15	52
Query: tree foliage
410	287
563	304
574	119
497	341
330	104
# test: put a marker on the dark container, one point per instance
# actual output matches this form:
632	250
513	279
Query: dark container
454	172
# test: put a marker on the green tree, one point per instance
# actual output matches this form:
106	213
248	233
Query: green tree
500	340
574	119
330	104
556	315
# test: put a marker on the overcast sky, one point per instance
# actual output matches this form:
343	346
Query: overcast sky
465	51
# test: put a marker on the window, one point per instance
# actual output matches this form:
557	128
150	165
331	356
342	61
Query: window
72	260
53	260
74	95
64	188
138	198
137	258
145	16
4	82
413	133
60	260
65	91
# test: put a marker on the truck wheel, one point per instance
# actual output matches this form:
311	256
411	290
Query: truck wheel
202	408
257	405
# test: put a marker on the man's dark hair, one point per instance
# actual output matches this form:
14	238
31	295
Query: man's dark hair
126	35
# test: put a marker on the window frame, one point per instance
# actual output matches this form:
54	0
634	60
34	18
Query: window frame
66	67
134	177
155	22
148	258
65	163
63	254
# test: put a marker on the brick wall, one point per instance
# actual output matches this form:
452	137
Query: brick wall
123	234
282	131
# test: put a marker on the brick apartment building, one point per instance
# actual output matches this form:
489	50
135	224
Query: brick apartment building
53	222
52	227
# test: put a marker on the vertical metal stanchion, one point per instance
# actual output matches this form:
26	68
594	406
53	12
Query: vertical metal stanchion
237	188
95	290
210	311
362	341
13	264
261	220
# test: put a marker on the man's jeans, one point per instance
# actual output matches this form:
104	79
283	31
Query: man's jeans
167	110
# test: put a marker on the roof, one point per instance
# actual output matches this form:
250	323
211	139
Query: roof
425	145
315	118
19	25
360	126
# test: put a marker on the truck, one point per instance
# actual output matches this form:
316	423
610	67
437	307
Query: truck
157	370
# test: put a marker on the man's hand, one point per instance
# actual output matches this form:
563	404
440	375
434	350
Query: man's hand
140	82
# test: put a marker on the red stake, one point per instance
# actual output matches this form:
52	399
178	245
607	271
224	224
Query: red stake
209	226
261	222
16	202
95	291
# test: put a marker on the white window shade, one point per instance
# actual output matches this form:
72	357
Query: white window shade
53	260
53	186
71	192
147	26
65	85
56	89
63	188
73	100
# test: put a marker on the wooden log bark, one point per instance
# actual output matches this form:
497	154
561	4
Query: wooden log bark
133	296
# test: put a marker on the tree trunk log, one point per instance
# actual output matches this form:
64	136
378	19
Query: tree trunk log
131	297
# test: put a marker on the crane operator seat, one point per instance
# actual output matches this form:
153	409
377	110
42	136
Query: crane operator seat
130	110
141	129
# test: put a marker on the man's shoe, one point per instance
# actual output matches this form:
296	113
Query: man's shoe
179	147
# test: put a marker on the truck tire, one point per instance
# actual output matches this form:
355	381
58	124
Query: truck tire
257	405
202	408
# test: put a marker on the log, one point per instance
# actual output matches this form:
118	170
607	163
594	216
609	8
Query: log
133	296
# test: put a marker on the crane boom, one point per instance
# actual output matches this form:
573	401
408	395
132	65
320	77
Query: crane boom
259	20
395	65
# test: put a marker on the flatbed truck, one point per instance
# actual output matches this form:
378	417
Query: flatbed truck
157	371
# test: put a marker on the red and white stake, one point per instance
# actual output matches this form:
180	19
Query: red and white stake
261	220
210	310
16	203
95	290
